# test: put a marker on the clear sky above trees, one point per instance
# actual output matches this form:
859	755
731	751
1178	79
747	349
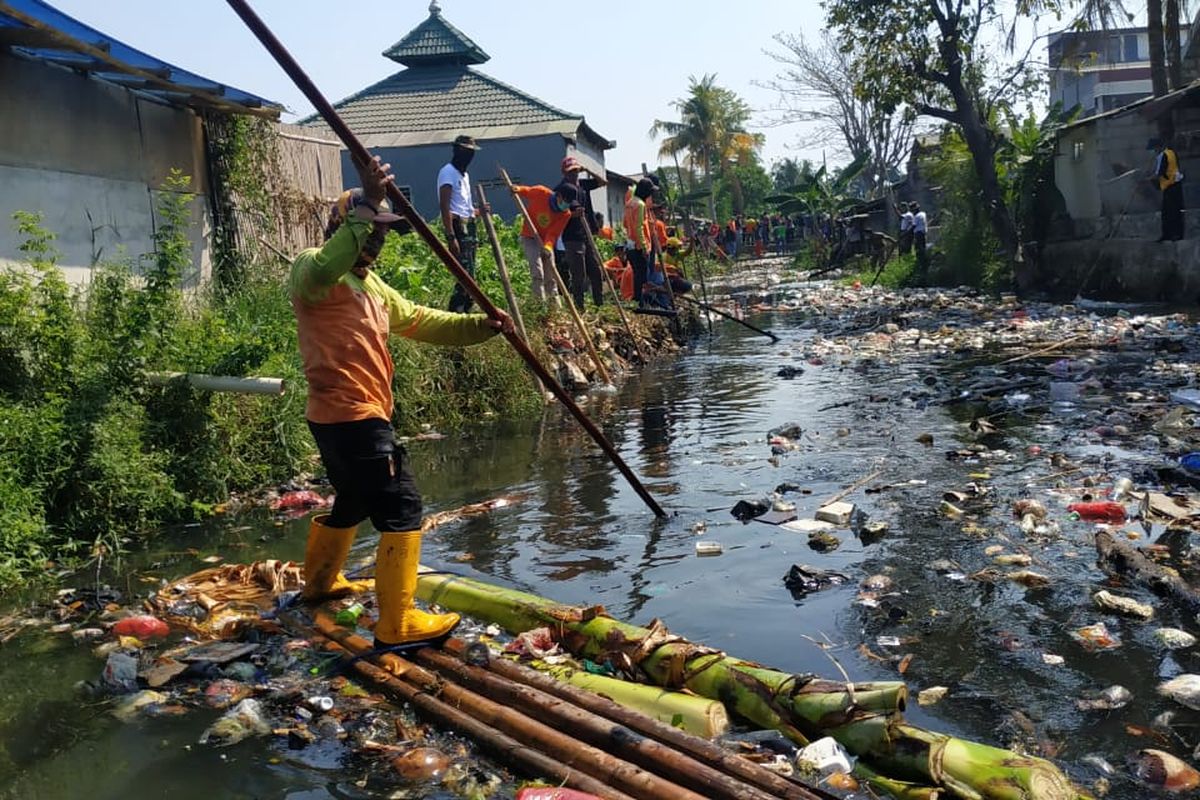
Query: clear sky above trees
341	51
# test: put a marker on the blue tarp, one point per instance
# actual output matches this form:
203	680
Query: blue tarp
34	29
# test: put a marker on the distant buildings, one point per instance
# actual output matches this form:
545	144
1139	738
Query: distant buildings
411	117
1099	70
89	133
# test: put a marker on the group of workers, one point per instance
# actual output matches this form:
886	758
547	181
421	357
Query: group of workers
557	225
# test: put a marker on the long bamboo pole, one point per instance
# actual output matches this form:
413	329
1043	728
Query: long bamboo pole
701	749
498	253
562	289
616	772
504	747
687	221
591	241
726	315
513	306
402	204
589	727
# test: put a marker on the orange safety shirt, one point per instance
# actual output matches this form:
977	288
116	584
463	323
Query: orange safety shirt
343	323
637	223
550	223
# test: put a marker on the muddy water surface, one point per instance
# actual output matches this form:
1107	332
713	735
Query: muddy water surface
696	428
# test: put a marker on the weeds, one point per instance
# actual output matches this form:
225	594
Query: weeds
92	457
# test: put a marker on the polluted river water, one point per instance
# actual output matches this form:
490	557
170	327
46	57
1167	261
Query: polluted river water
947	611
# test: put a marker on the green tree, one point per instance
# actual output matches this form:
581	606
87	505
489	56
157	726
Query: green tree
930	55
711	130
754	184
788	172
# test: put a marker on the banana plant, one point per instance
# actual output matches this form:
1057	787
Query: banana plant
822	197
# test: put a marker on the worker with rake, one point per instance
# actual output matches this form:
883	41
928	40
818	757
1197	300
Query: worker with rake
344	314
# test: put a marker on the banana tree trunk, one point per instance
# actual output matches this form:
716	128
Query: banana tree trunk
864	717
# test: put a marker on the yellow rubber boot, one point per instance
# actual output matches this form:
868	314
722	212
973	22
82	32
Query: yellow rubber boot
396	563
324	556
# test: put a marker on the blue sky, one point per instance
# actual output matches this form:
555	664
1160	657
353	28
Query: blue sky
619	63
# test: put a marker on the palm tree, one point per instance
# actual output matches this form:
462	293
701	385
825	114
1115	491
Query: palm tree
711	131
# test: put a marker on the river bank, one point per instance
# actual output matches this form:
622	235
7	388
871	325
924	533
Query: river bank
911	383
94	456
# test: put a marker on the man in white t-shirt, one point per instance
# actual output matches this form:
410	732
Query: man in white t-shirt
920	227
906	228
458	214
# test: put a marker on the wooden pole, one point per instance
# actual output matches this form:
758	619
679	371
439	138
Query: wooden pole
403	206
618	773
729	316
687	222
591	241
589	727
699	748
507	749
562	289
502	268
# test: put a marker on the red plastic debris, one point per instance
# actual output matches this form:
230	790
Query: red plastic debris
142	627
554	793
1099	512
290	501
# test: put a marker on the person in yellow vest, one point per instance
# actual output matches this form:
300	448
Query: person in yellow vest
344	315
1169	180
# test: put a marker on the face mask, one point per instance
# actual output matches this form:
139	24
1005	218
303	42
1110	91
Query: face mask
559	205
462	158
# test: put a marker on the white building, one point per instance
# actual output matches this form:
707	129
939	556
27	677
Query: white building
1099	70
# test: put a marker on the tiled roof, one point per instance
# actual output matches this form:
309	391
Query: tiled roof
436	41
449	99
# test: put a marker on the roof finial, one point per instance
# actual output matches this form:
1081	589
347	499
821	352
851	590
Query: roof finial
434	8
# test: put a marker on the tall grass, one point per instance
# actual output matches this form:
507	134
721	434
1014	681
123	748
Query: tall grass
93	458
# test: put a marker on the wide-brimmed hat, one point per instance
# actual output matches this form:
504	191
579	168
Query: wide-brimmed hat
466	141
570	164
351	199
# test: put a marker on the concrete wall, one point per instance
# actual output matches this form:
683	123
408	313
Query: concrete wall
1092	159
1126	269
530	161
90	156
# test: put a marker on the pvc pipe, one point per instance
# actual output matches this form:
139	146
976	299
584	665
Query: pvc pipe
221	383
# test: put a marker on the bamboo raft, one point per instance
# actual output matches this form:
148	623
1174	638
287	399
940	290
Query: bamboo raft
543	727
626	739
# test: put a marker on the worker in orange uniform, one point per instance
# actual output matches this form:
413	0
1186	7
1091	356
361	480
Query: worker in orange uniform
1168	179
344	314
621	273
606	231
550	210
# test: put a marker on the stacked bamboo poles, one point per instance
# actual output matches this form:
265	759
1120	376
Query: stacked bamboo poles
701	716
499	712
699	748
864	718
562	289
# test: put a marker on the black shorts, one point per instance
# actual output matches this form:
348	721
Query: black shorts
370	472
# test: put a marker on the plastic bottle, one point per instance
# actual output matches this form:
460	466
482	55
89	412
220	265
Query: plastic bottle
1099	512
349	616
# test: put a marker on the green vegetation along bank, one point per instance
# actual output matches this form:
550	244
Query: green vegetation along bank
93	457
